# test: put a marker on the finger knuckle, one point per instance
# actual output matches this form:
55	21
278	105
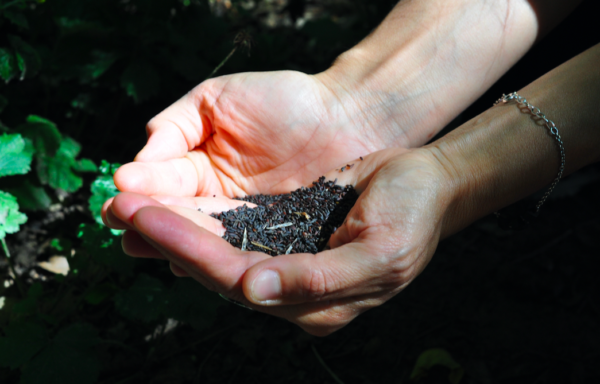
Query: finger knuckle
315	284
404	268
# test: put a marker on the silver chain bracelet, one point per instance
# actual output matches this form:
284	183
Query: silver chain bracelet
553	132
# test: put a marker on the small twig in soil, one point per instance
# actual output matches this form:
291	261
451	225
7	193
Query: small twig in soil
11	266
333	375
245	240
260	245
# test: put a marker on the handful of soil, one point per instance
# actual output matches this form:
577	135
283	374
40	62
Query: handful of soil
297	222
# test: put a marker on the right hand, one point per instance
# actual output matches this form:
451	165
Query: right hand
249	133
387	239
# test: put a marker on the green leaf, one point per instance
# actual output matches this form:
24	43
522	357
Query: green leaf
61	244
8	65
103	188
28	60
433	357
69	148
14	158
143	301
68	358
30	197
103	248
28	306
21	343
55	243
43	133
85	165
107	168
78	336
57	171
16	18
140	80
39	119
10	217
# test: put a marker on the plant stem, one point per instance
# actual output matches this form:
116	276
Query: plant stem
11	266
222	63
333	375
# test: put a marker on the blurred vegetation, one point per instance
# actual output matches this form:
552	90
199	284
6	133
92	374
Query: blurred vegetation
98	67
82	77
79	81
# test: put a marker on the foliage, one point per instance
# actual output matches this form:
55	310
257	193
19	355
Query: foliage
102	189
10	217
84	76
14	159
437	357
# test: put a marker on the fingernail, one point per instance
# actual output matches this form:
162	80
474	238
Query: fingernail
267	286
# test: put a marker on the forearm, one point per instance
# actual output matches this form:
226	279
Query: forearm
504	155
430	59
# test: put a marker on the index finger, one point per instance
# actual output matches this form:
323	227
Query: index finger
204	254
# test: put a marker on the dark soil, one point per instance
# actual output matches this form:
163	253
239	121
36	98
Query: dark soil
296	222
510	307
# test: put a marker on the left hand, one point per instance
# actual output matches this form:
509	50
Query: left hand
388	238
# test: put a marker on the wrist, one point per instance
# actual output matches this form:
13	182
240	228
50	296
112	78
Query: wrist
507	153
492	161
427	62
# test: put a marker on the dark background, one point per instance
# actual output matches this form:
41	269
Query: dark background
510	307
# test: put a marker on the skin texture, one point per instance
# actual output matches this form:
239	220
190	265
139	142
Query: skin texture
368	263
504	154
220	139
273	132
409	199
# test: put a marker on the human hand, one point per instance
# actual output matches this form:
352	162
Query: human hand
386	241
249	133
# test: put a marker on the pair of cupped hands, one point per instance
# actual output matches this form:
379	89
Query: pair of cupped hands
271	133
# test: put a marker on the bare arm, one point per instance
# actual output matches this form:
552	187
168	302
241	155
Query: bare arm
430	59
503	155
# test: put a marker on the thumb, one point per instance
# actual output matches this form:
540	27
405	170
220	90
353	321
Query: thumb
178	129
298	278
352	267
165	142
